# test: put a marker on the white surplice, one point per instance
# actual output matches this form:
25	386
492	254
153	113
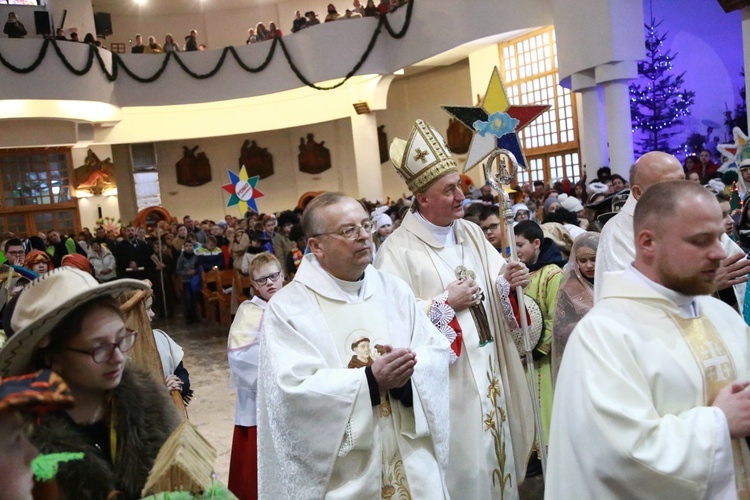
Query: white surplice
631	417
243	352
616	249
319	435
492	424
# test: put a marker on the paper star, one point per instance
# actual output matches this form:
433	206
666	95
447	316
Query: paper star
242	190
733	151
495	102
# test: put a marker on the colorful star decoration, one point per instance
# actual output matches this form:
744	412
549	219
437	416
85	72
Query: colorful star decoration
736	152
490	123
242	190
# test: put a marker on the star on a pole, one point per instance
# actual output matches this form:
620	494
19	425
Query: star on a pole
242	189
494	105
733	150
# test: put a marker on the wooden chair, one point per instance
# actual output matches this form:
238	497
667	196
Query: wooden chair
209	297
224	279
241	288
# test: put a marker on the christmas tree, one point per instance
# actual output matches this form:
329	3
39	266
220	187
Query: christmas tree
658	105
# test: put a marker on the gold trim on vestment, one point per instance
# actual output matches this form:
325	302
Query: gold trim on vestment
718	370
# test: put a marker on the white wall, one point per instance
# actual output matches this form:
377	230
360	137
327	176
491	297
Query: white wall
281	190
420	96
80	16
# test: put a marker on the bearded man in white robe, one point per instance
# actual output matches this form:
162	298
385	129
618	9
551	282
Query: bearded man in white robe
376	430
463	284
617	245
651	398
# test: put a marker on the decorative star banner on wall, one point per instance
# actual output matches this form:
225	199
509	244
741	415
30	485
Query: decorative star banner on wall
242	190
495	123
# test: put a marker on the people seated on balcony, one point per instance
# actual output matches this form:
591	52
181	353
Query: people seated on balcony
89	38
251	38
312	19
299	22
371	10
261	32
138	48
170	45
350	15
191	41
357	8
74	37
273	31
60	34
333	15
384	7
153	47
13	27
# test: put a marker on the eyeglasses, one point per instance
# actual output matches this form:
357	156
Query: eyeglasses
16	252
103	353
491	228
271	278
352	232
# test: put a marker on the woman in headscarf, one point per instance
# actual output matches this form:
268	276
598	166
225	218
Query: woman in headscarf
576	294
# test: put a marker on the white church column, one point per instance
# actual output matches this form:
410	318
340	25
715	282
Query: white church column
614	79
367	157
592	128
617	111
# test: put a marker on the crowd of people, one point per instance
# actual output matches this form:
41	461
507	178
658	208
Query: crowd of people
15	29
401	324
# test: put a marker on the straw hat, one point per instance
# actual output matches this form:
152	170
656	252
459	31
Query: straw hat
41	306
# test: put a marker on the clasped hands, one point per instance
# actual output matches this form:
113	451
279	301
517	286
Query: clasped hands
464	293
394	368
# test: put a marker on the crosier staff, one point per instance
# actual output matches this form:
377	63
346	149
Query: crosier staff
504	177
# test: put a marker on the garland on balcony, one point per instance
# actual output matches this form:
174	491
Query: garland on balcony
118	63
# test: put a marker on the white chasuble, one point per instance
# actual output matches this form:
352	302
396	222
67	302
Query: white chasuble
631	417
491	417
360	343
318	434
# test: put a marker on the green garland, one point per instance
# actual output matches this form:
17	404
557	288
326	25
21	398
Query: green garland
118	63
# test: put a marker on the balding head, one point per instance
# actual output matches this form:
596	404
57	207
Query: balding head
678	227
653	168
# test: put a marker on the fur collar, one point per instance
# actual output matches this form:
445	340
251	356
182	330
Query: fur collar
145	417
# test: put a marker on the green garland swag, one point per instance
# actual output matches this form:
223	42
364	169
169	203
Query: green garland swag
118	63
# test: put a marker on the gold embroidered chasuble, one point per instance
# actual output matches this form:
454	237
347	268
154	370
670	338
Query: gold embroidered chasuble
491	416
318	434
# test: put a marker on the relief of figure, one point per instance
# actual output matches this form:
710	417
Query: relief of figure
313	157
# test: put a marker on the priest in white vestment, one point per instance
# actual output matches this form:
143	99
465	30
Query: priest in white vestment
376	430
651	398
616	244
462	284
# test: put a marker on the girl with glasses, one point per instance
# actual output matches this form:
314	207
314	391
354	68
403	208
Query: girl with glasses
68	322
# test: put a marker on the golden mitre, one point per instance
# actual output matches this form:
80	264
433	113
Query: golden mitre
423	159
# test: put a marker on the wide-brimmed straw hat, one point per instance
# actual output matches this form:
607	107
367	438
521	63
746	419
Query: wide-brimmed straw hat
41	306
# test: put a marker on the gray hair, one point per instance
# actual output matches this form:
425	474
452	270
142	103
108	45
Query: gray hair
311	223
